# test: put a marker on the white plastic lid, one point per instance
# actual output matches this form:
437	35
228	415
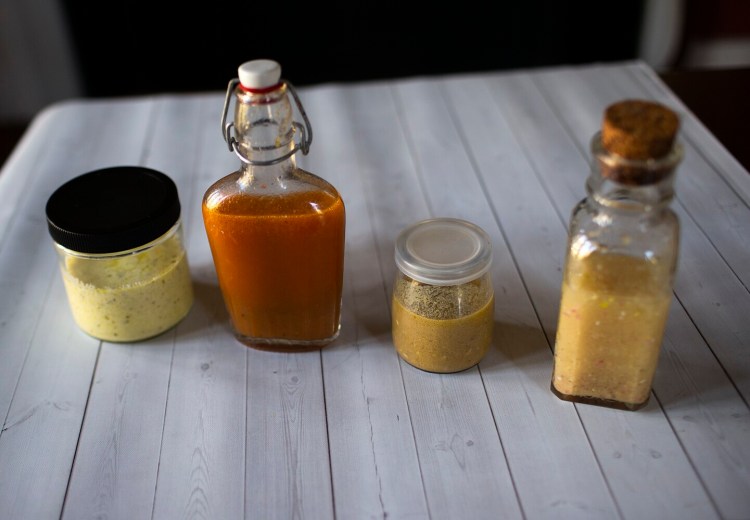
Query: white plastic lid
443	251
259	74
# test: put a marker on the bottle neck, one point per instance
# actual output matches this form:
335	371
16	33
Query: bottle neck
264	130
631	185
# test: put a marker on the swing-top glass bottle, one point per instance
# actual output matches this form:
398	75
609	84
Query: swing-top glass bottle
276	231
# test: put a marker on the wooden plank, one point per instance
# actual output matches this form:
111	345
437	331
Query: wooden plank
25	275
287	462
28	156
44	417
130	425
544	141
125	412
517	372
202	459
461	454
39	437
453	483
118	451
544	437
706	413
374	462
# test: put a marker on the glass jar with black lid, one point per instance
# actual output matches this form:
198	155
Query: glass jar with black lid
119	239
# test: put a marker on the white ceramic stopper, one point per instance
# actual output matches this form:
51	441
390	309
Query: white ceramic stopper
259	74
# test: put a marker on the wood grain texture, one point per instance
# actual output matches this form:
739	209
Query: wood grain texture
287	470
630	451
518	373
202	467
374	465
57	369
114	472
192	424
688	373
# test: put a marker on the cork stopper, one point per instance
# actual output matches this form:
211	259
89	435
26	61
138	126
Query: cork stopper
639	130
637	141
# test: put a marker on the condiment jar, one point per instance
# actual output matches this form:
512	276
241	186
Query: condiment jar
276	231
118	236
443	299
620	261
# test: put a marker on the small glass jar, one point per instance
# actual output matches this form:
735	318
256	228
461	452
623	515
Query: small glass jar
118	235
443	301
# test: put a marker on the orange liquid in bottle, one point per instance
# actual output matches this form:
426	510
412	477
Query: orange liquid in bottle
279	259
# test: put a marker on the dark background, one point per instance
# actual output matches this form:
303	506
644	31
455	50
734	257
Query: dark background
144	47
138	47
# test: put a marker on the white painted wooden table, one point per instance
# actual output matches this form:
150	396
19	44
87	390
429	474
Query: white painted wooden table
192	424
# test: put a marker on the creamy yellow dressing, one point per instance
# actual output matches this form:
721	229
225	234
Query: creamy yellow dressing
131	297
613	312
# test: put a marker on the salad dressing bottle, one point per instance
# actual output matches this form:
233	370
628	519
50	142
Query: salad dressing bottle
276	231
620	262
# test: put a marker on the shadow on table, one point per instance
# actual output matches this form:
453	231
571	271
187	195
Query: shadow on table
519	345
208	309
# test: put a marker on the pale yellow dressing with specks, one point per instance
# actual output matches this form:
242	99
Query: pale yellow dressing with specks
132	297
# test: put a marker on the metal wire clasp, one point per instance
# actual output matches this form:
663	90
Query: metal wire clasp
305	133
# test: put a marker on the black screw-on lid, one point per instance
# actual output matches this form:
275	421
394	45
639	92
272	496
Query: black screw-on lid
112	209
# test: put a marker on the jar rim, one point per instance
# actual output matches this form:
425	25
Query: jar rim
169	234
443	251
637	172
